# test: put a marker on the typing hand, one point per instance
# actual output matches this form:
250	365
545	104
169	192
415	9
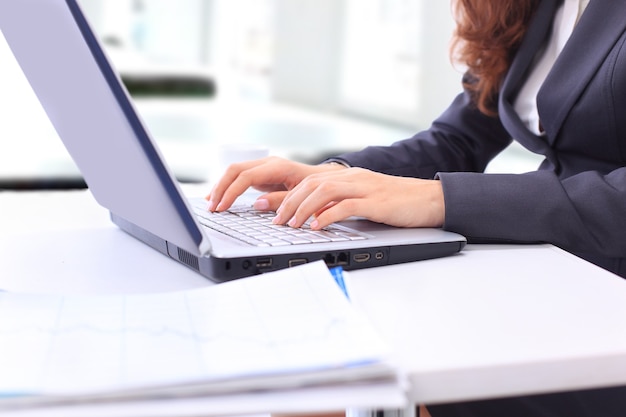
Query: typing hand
272	175
338	194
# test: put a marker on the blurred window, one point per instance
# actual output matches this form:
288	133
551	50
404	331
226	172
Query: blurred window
383	59
381	68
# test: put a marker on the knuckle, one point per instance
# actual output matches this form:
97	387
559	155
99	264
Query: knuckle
325	188
348	207
310	184
234	167
246	176
337	212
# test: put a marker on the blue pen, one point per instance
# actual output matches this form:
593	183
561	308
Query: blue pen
337	273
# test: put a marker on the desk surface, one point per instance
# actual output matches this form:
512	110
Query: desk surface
491	321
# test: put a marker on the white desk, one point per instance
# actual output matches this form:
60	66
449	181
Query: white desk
492	321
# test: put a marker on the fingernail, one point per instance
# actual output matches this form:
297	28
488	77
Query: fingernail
210	205
277	219
261	204
315	224
292	222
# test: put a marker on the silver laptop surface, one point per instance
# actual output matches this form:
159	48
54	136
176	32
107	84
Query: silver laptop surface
97	122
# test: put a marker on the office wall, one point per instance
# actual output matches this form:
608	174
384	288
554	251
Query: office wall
348	56
162	30
308	48
321	54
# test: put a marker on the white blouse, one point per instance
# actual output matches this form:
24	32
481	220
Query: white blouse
565	19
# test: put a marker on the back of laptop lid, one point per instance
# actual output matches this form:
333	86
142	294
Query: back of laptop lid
94	117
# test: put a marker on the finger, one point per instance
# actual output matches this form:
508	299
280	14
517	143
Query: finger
315	196
270	201
292	201
236	188
265	173
338	212
326	207
216	195
268	188
317	190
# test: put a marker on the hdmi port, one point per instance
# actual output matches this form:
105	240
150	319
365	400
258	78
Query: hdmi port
361	257
297	261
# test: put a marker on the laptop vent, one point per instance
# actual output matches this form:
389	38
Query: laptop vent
188	259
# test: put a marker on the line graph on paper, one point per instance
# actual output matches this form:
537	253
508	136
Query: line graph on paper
278	323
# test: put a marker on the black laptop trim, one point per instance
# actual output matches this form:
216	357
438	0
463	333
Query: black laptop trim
144	140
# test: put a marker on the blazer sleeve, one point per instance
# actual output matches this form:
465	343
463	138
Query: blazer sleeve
583	214
461	140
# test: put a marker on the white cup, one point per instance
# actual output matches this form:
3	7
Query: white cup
230	153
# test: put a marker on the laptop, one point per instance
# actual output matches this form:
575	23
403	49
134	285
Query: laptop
94	116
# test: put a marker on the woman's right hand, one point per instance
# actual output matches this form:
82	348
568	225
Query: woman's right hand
273	175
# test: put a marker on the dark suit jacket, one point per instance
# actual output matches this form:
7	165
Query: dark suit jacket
577	198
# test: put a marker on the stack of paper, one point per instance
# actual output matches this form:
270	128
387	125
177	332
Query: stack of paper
284	330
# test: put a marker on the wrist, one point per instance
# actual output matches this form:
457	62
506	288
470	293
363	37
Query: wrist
438	204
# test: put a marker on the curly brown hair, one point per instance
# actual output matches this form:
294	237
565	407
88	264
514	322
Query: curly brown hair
488	32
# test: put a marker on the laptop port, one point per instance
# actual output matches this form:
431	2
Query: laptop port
297	261
263	262
379	255
342	258
330	259
361	257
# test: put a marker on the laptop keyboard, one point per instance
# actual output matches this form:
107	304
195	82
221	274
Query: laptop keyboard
256	228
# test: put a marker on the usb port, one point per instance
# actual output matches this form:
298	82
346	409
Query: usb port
263	262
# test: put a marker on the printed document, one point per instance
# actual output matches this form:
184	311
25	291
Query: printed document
282	330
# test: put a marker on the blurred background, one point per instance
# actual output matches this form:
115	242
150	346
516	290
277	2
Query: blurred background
304	78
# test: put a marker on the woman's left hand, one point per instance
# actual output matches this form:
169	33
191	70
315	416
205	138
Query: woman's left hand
337	195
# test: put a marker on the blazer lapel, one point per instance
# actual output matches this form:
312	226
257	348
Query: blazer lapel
600	26
536	35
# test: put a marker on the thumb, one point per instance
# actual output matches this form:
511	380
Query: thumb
270	201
